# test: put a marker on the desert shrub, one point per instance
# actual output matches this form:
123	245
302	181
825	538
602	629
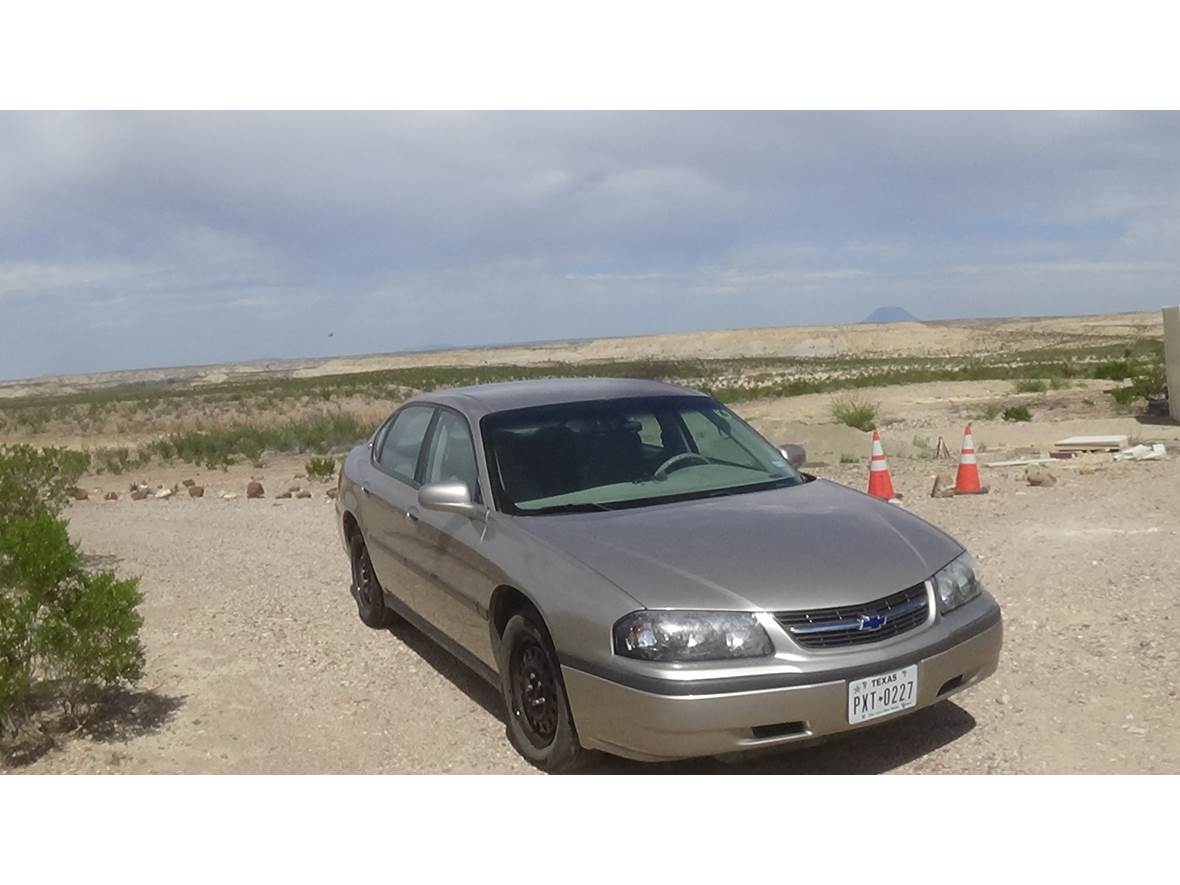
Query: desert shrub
320	434
64	631
1017	413
35	481
855	411
320	468
1032	385
990	411
111	460
1112	370
1147	381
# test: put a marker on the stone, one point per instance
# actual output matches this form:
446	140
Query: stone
138	494
283	495
80	494
111	496
189	483
294	487
331	493
163	494
195	491
229	496
1036	475
303	494
944	485
255	489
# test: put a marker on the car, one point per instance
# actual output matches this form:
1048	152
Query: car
640	573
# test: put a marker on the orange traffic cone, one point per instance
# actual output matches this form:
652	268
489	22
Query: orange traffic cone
967	480
880	482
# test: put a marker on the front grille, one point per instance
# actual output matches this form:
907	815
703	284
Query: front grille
858	624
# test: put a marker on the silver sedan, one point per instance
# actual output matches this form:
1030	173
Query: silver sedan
640	572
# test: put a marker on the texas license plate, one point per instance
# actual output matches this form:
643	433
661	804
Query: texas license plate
881	695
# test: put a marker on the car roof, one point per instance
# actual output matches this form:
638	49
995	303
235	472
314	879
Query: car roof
484	399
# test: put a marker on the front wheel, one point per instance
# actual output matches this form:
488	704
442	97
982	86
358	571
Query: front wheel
540	726
366	589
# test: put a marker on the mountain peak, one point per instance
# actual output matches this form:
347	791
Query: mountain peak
891	315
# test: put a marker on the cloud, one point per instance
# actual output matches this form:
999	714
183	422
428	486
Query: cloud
133	239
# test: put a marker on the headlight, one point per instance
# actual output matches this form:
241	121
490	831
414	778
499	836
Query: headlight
957	583
691	636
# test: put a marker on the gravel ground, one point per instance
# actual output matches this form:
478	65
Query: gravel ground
257	662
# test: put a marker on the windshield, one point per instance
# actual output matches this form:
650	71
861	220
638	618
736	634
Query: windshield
608	454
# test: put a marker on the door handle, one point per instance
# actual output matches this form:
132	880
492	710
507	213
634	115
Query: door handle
412	514
365	489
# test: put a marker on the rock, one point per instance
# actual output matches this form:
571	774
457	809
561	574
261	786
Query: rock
163	494
195	491
331	493
294	488
189	483
133	487
111	496
944	485
303	494
228	496
79	494
139	494
255	489
1036	475
282	495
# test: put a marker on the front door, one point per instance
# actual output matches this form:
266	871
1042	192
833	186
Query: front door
460	579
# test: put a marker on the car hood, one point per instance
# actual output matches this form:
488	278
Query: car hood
808	546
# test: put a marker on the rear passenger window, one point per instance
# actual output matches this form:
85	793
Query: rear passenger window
399	450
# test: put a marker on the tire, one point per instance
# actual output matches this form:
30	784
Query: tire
540	726
366	590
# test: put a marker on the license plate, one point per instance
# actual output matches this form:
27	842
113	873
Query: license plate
881	695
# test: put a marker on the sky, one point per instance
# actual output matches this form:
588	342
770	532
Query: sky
133	240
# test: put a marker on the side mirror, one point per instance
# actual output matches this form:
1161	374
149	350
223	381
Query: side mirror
449	497
796	455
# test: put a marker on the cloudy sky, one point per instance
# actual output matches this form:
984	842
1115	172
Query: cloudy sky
134	240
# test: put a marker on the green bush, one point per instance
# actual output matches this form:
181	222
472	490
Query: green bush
1147	382
65	632
320	468
1113	370
854	411
111	460
1017	413
35	481
1032	385
216	448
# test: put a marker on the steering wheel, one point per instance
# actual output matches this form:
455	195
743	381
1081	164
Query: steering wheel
683	459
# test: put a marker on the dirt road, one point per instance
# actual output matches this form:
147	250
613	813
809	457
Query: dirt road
257	662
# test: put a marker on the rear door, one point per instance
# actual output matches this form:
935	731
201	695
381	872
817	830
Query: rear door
388	494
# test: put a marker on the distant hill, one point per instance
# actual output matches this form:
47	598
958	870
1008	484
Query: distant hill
891	315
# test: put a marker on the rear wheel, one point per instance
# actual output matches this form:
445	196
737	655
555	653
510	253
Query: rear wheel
540	726
366	589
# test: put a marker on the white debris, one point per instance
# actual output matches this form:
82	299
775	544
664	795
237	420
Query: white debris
1155	452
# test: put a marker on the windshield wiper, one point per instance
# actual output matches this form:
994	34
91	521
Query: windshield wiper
588	506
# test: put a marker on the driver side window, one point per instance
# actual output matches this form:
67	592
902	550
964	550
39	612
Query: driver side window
451	457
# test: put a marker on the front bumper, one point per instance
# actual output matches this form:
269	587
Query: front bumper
649	726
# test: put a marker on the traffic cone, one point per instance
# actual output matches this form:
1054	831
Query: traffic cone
880	482
967	479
